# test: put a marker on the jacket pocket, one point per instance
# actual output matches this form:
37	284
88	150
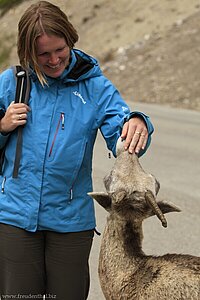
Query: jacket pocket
76	171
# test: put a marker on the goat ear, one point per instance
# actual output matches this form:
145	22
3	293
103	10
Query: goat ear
166	207
102	198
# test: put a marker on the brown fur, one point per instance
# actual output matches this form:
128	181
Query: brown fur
125	272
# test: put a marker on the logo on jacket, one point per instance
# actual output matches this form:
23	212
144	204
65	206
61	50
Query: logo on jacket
76	93
125	109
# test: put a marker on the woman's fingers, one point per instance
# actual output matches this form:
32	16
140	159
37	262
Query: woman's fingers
135	134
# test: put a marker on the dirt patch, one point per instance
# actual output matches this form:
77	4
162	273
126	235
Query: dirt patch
149	49
163	69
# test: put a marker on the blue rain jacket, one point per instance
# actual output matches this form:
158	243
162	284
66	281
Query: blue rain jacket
50	192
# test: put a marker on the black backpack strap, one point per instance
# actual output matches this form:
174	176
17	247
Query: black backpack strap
23	85
2	155
21	96
2	150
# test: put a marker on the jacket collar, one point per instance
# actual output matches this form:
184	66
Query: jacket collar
82	66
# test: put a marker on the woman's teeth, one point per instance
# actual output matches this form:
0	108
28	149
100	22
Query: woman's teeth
54	67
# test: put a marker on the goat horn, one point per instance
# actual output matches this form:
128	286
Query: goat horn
152	203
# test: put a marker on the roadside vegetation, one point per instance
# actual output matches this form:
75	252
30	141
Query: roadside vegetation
4	56
5	5
5	50
6	47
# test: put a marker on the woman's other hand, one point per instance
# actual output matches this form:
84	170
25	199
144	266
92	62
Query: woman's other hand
15	115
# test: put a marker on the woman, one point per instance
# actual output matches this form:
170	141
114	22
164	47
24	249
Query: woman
46	217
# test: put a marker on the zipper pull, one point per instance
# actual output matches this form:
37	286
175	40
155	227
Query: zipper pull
62	121
109	155
3	184
71	194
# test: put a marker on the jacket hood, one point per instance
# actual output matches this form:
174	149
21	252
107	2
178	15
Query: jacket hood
81	67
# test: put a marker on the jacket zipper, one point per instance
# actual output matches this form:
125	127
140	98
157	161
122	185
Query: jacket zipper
62	121
3	185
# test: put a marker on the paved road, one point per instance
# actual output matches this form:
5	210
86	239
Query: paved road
174	158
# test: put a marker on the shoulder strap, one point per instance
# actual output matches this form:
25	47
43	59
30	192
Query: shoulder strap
22	94
23	85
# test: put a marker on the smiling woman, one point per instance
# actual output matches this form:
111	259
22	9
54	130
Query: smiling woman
53	54
46	212
36	38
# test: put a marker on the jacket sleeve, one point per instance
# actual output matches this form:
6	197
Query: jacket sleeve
113	112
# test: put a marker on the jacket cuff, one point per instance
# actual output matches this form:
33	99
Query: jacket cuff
144	117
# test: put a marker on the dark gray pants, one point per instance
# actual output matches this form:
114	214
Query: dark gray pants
44	263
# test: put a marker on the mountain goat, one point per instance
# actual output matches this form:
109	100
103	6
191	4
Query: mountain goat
125	272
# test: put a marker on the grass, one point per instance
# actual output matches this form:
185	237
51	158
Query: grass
4	58
5	50
5	5
4	55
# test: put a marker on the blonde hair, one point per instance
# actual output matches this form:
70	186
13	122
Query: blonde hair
42	17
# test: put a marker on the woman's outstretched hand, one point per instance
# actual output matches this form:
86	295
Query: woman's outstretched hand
135	134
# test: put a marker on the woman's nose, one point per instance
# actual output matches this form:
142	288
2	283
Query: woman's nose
53	59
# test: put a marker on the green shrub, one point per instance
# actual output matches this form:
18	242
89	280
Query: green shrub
5	5
6	49
4	56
